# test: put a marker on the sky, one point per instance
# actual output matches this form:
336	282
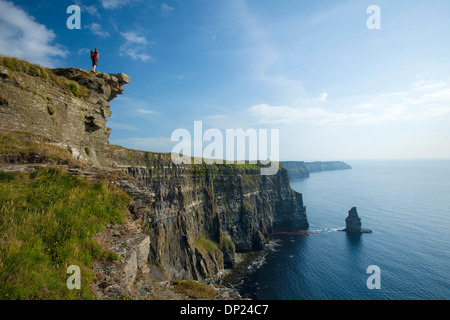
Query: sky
313	70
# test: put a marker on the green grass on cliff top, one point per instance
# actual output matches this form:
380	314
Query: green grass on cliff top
18	65
48	220
142	158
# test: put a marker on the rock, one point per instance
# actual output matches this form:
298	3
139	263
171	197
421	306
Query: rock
141	244
259	241
4	73
353	222
123	78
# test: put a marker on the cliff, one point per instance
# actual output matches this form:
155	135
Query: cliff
206	213
301	169
296	169
69	106
186	222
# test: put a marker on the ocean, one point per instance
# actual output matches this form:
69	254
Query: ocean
406	203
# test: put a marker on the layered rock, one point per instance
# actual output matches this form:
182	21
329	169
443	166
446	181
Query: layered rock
203	214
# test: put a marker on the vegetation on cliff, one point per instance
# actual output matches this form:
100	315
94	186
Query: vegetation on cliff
195	289
18	65
21	146
48	220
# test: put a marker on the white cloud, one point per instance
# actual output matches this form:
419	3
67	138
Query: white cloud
166	9
291	115
424	101
134	46
323	97
147	112
22	36
114	4
97	29
92	9
133	37
84	51
216	116
121	126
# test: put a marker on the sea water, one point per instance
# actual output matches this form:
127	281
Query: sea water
407	206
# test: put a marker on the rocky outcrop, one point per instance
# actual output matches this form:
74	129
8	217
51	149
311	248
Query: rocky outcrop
68	106
353	223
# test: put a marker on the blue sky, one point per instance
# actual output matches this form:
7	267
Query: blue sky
334	89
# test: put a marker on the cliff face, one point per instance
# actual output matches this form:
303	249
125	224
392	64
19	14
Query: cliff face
196	216
51	103
296	169
201	215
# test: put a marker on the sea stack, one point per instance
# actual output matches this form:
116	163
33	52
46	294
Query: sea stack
353	222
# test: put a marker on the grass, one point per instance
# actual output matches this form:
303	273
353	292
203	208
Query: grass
48	220
18	65
26	144
195	289
226	242
206	244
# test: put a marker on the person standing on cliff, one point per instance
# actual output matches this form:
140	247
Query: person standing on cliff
94	58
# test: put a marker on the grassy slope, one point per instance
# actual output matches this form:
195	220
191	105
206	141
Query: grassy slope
15	65
48	220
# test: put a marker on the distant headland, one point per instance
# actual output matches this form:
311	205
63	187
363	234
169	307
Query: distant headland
302	169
